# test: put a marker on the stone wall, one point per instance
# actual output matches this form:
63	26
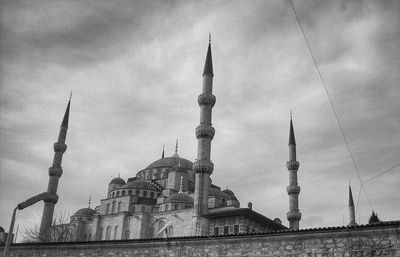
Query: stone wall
366	241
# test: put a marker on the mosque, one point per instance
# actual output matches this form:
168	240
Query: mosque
172	196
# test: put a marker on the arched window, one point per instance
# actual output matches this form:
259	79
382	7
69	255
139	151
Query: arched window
166	207
123	192
143	208
137	192
176	206
170	231
108	233
115	232
144	193
119	207
127	234
108	209
117	193
160	208
113	194
113	207
100	234
152	194
129	192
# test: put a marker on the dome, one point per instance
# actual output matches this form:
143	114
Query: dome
118	181
217	193
171	162
179	198
85	212
142	184
228	192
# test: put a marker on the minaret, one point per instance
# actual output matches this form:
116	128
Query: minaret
293	189
352	213
203	167
55	172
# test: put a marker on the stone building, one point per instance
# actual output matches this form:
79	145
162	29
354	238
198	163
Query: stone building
172	196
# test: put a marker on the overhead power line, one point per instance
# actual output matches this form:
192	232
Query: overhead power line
331	103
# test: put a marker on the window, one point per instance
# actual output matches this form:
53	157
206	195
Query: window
236	229
216	231
152	194
115	232
100	234
144	193
108	209
113	194
226	230
158	194
119	206
137	192
108	233
176	207
127	234
133	209
129	192
123	192
117	193
143	208
166	207
113	207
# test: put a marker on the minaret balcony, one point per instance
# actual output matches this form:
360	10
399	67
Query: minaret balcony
60	147
51	199
292	165
293	190
203	166
206	99
205	131
293	215
55	171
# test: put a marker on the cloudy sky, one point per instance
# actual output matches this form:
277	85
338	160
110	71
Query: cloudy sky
135	71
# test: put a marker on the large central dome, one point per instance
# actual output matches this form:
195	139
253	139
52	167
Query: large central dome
171	162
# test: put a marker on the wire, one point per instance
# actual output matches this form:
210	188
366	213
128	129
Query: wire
381	173
330	101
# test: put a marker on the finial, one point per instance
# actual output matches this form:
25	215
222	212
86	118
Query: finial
290	113
227	187
90	200
70	95
209	37
181	186
163	150
176	147
119	174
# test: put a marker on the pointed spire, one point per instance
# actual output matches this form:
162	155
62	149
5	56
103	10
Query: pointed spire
163	150
181	186
292	140
208	66
66	115
351	202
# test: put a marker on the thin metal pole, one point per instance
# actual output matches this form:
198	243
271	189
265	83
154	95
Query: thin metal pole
10	232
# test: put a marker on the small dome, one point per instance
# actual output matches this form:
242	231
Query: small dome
85	212
228	192
179	198
118	181
171	162
142	184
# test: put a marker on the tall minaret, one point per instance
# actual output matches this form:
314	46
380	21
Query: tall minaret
203	167
55	172
293	189
352	213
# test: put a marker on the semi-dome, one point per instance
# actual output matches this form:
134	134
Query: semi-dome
1	229
142	184
169	162
217	193
118	181
179	198
85	212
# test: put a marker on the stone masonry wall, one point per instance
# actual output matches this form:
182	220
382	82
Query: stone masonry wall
367	241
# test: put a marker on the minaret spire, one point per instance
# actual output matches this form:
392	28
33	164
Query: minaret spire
203	167
352	214
90	201
163	150
293	190
55	172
